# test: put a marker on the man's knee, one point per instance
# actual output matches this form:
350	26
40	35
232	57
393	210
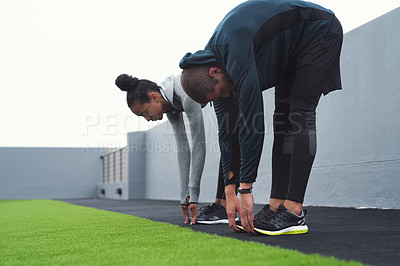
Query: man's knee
281	122
302	115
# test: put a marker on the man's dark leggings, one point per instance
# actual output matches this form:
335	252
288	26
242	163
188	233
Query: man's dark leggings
294	149
313	71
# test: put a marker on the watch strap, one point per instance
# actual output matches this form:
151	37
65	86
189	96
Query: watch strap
244	190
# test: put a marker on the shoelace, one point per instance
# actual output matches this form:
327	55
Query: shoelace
209	208
265	213
283	218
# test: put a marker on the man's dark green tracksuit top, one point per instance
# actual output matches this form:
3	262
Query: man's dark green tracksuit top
252	44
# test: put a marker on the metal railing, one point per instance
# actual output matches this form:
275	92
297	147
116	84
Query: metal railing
114	166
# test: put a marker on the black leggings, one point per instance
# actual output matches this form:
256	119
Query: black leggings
293	152
313	71
295	138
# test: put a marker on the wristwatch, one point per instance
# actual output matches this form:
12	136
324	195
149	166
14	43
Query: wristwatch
244	190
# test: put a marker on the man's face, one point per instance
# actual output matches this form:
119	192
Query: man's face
222	88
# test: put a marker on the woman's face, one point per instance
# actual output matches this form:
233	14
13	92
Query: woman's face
152	110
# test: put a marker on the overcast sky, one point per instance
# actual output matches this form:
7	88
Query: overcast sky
59	60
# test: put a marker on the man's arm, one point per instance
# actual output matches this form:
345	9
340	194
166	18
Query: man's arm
227	123
240	67
226	119
238	60
251	127
243	72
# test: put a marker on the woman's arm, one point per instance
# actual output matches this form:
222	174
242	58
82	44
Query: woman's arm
182	145
198	152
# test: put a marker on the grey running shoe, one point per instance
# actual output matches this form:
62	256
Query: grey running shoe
283	222
212	214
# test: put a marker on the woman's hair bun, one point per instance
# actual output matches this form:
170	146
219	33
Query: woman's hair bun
126	82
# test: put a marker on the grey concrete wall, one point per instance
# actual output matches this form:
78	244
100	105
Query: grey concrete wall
109	190
162	180
134	187
358	158
56	173
136	161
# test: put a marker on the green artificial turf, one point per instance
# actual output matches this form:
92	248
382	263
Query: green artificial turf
40	232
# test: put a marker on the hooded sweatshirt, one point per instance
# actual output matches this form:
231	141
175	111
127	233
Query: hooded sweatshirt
190	158
252	45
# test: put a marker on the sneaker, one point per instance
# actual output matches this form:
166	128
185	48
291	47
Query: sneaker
212	214
283	222
263	215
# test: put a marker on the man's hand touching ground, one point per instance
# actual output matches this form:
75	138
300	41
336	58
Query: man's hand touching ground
246	209
246	212
232	205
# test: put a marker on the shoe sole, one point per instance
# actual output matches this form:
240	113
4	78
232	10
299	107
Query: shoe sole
240	228
222	221
293	230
